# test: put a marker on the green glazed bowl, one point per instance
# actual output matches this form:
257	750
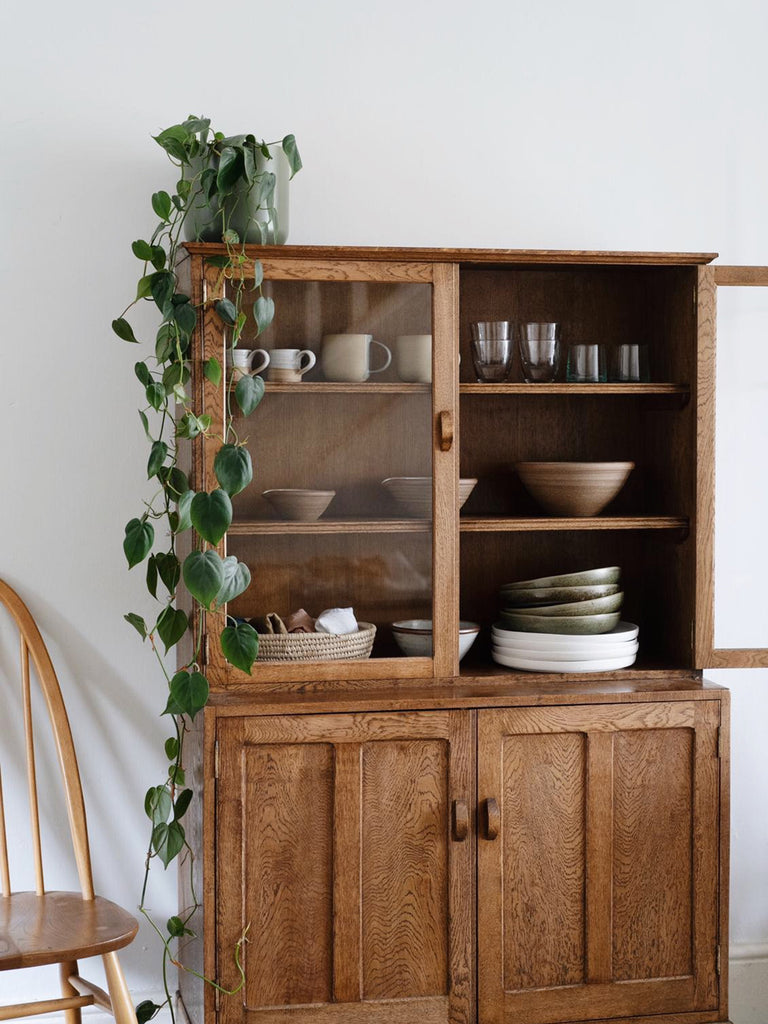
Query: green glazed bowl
588	578
600	606
581	625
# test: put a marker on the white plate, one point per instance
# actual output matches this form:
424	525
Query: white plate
622	632
568	653
536	665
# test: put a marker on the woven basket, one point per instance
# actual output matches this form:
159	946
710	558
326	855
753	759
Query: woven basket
317	646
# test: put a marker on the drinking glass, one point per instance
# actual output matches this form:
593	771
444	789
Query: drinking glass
630	363
492	349
539	352
586	364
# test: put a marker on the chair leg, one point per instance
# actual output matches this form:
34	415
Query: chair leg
122	1004
66	970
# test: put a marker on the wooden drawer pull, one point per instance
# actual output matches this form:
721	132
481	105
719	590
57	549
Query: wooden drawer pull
492	818
460	821
445	429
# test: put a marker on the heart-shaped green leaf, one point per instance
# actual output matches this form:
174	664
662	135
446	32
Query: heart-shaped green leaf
186	317
139	537
182	803
168	569
172	624
161	204
146	1010
171	747
263	313
142	250
292	154
157	804
237	579
138	623
157	456
233	468
249	391
212	371
123	330
240	645
203	575
189	692
168	841
183	506
211	514
226	310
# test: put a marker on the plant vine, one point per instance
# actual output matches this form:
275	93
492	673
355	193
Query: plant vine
219	177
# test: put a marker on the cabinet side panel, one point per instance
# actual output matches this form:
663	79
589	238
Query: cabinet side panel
405	869
544	854
287	873
652	854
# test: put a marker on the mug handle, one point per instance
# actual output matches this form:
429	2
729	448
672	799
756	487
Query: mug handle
389	356
311	360
265	356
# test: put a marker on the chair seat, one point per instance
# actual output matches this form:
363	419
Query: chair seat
59	926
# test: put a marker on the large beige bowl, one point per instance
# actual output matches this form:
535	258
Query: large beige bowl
414	493
574	488
298	504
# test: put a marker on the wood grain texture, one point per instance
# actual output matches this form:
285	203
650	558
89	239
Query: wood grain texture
405	869
704	521
317	253
521	524
59	926
649	783
336	833
741	276
542	851
531	390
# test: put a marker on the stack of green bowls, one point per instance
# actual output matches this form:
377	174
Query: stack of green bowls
578	603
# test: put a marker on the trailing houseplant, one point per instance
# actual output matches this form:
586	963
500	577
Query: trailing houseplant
227	183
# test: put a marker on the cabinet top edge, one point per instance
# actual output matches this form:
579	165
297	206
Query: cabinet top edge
468	256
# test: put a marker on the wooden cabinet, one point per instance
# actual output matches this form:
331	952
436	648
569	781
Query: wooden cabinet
418	837
598	880
350	864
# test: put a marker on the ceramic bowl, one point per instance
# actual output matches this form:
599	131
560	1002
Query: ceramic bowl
587	578
414	493
530	597
414	637
598	606
298	504
574	488
579	624
542	664
566	652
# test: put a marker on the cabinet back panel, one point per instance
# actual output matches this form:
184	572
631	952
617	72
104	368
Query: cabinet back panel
346	443
652	867
287	873
383	577
306	310
543	809
404	869
610	305
656	568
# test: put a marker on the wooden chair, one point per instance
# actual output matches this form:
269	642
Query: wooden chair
43	927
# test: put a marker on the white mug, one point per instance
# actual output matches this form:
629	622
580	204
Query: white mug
346	357
242	359
413	358
288	365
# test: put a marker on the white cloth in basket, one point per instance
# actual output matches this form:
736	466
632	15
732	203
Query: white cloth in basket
337	621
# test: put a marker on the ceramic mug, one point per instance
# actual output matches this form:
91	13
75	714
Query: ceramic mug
242	360
347	357
288	365
413	358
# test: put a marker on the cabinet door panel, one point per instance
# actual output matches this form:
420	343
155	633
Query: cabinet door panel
335	851
598	898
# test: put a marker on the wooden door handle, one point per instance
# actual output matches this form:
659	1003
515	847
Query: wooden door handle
460	821
492	818
445	430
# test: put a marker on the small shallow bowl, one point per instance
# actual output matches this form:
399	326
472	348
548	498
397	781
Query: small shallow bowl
298	504
579	624
587	578
414	637
565	652
531	597
598	606
414	493
547	665
574	488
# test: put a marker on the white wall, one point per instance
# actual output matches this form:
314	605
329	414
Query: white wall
597	124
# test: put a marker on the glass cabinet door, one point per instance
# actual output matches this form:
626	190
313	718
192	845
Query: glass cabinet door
339	514
733	485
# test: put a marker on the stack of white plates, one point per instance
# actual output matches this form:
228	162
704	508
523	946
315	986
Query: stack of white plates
557	652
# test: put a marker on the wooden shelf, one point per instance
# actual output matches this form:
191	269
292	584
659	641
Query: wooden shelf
322	387
523	524
574	389
266	527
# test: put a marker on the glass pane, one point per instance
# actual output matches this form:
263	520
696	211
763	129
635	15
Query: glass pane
741	474
339	511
